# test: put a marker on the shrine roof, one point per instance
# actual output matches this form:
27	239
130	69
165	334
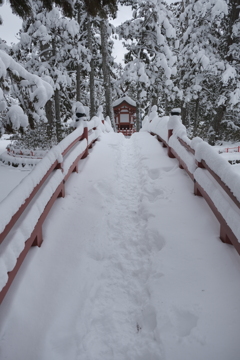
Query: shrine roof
124	98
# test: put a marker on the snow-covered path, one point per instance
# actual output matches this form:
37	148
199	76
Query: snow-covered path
131	268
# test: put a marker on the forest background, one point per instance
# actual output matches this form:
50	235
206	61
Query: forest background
183	54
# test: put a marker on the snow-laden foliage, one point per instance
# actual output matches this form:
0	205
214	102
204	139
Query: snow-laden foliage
149	39
208	67
15	114
49	46
52	47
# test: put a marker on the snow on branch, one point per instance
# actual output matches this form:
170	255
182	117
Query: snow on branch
40	91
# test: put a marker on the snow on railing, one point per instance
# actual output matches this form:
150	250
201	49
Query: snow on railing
24	210
214	178
25	153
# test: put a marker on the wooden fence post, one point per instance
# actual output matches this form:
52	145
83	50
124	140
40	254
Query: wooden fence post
85	133
174	112
196	191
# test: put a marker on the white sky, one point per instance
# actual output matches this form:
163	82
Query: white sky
12	24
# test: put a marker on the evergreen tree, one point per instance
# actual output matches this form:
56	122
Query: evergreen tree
23	8
208	77
31	94
49	48
150	36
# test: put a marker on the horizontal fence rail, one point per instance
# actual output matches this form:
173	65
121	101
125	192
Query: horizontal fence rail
213	177
24	210
230	150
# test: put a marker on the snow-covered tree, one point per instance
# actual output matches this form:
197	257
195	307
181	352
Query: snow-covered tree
23	8
208	75
49	47
15	112
101	12
150	40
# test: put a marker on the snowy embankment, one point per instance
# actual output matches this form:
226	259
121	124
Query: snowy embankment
131	267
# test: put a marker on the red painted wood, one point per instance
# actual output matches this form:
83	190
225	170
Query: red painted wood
188	147
182	164
223	235
13	273
74	166
169	149
83	136
164	143
36	237
34	240
221	183
170	132
124	108
26	203
226	234
170	153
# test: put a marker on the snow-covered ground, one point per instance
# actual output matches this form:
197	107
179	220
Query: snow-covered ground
9	177
232	154
131	268
4	141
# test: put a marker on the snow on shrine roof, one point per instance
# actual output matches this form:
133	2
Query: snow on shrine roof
125	98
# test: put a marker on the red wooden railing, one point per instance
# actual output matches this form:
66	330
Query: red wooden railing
46	181
229	233
230	150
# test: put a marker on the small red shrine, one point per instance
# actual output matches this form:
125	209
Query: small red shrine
125	113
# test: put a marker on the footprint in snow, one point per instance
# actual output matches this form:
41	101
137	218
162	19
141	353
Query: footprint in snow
144	214
154	240
103	188
169	168
154	173
184	322
155	194
178	321
148	319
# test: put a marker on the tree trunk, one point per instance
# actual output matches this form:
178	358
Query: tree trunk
78	83
154	100
217	124
196	112
57	101
138	111
91	76
78	75
106	70
184	115
46	53
233	17
50	117
57	114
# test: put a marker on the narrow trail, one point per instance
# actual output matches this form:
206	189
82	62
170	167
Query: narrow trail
124	321
131	267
